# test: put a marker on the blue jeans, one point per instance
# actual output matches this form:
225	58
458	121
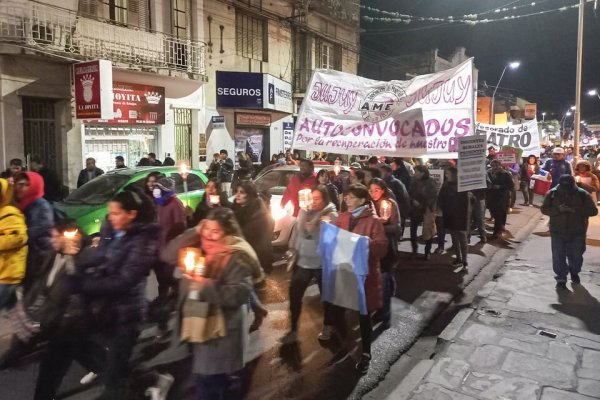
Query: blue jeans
567	255
7	295
479	216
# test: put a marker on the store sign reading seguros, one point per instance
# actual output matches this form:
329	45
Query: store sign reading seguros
253	90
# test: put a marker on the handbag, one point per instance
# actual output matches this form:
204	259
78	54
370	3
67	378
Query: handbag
201	321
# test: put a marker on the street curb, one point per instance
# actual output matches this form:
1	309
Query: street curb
450	332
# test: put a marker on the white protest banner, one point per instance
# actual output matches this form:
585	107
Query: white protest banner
348	114
588	141
523	136
506	158
471	163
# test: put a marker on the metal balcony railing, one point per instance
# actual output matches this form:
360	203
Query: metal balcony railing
63	33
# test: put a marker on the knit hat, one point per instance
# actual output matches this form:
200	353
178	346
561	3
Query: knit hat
165	184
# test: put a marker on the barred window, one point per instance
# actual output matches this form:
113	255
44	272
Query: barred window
116	10
250	34
180	18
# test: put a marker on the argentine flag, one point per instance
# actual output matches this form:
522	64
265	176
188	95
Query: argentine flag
345	261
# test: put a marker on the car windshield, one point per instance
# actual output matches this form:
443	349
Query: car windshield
97	191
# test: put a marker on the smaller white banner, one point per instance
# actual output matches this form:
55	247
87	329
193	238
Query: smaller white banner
471	163
523	136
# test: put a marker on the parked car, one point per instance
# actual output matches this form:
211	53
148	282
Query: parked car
88	204
275	179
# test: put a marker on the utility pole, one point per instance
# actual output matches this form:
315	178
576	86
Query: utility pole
578	80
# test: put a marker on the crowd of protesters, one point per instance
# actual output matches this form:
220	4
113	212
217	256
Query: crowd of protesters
86	299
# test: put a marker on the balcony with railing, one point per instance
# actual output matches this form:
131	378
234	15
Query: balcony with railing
63	33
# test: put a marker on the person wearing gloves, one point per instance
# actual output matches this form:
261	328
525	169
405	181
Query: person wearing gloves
308	265
13	245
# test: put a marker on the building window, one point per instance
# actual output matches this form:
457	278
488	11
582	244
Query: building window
250	37
180	18
252	3
116	10
329	56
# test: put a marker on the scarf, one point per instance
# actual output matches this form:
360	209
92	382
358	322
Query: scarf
164	198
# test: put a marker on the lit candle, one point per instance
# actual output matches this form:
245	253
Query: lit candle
578	178
184	169
189	261
386	211
214	199
70	234
337	169
305	199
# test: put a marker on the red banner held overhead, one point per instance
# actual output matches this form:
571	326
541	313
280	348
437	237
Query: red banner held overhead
93	89
136	104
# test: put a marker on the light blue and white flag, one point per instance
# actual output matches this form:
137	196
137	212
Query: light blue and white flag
345	258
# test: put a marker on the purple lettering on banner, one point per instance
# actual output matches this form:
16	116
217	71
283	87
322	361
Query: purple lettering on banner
449	91
329	94
446	130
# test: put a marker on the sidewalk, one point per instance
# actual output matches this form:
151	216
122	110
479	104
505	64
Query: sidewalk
520	339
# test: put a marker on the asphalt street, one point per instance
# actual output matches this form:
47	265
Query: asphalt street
307	369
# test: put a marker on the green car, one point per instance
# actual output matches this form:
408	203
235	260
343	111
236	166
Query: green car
88	205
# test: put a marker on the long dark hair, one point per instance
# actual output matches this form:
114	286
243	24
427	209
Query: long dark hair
131	199
381	183
249	188
226	219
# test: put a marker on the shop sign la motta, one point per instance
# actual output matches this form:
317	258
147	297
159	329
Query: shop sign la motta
137	105
93	89
348	114
523	136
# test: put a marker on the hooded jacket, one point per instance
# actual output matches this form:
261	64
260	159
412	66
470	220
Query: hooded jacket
591	185
574	220
38	215
13	238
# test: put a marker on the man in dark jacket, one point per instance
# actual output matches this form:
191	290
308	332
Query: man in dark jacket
89	172
52	185
400	192
500	184
224	171
569	208
153	161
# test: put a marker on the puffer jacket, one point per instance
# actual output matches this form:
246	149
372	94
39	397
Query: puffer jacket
13	238
569	223
115	273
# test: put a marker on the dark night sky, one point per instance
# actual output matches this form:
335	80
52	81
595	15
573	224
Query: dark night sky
545	44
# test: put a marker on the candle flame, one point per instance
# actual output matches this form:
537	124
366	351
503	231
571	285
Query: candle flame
184	168
189	261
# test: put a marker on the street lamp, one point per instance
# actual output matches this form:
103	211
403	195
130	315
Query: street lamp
543	116
511	65
594	92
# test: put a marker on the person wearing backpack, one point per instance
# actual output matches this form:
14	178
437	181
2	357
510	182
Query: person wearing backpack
569	208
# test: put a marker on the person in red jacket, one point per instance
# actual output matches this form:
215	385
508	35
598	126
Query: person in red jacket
305	179
361	220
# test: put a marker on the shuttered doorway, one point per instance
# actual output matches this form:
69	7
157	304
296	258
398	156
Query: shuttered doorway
39	130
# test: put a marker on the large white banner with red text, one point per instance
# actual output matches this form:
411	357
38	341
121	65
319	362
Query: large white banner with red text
425	116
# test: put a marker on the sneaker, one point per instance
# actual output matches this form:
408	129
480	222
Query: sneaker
561	285
363	365
89	378
288	338
575	278
326	333
457	263
530	204
161	390
439	250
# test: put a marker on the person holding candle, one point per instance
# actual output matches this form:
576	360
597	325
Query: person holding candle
230	264
360	219
456	211
304	179
305	240
114	275
585	179
149	182
529	167
213	198
389	214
